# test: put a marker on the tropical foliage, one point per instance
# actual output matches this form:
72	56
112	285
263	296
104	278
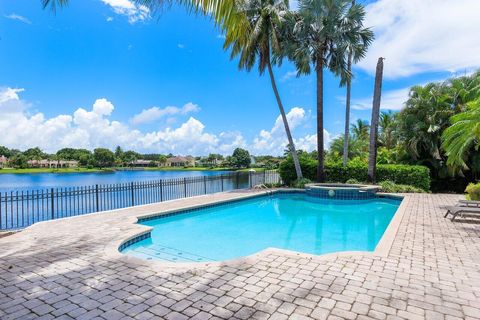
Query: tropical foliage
462	138
473	191
438	127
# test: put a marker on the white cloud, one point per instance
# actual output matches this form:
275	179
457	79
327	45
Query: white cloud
181	46
274	141
190	107
155	113
289	75
14	16
94	128
128	8
309	142
423	36
391	100
8	94
109	19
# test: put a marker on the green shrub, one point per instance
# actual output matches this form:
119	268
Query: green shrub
287	169
300	183
391	187
415	176
352	181
473	191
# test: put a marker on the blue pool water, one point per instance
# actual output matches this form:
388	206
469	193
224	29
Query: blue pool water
295	222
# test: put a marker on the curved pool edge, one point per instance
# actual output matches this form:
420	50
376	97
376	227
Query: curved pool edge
381	250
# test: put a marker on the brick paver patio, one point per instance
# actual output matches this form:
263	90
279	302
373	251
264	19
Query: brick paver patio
66	269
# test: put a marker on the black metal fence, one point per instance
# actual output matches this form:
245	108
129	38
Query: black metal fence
20	209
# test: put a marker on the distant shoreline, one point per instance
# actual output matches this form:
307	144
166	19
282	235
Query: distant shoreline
98	170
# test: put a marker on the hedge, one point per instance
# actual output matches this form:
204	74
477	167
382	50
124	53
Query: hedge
416	176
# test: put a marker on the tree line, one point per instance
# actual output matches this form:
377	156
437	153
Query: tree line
99	157
103	158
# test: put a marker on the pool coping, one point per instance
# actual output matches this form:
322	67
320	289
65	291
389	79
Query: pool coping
381	250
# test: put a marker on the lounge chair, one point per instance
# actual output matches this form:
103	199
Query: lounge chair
456	210
468	203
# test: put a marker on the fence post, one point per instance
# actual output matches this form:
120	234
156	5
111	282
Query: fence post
264	176
132	192
205	184
52	203
185	187
97	202
161	190
1	212
250	179
221	176
237	179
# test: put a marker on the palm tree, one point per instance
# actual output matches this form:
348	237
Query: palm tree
326	32
347	103
387	127
462	135
360	129
377	95
53	4
426	114
347	112
265	18
356	147
221	10
464	89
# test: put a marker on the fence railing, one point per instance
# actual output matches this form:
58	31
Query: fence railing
19	209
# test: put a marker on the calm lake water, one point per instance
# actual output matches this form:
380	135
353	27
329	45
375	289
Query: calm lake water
36	181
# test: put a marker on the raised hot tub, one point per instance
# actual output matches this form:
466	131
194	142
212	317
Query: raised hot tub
342	191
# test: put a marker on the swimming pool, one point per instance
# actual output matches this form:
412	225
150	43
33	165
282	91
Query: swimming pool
291	221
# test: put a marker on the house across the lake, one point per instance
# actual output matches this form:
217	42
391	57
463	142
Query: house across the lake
181	162
3	161
143	163
52	164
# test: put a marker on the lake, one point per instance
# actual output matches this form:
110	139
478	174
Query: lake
36	181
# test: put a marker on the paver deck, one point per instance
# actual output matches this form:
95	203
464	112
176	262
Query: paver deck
65	269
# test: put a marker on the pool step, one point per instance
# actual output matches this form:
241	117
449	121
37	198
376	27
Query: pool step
167	254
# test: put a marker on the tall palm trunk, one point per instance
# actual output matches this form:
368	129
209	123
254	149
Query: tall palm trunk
347	113
293	151
377	94
320	165
347	109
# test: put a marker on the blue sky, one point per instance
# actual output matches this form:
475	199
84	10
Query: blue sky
107	72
